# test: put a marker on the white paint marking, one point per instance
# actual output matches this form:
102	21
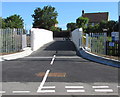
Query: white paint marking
2	92
46	91
118	86
37	57
100	87
103	90
21	91
53	59
43	81
75	90
48	87
74	87
64	57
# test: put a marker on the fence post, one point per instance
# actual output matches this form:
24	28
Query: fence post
87	41
105	36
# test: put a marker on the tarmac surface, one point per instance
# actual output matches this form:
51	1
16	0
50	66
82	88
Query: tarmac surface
56	70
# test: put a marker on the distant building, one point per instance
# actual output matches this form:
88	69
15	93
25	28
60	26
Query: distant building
95	18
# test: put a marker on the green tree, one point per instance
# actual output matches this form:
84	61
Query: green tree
71	26
55	29
2	23
45	18
116	27
81	22
110	27
14	21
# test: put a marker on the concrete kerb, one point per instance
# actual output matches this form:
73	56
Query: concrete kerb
26	51
99	59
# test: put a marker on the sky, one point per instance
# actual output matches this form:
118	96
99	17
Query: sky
67	11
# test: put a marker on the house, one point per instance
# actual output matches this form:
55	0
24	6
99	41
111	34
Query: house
95	18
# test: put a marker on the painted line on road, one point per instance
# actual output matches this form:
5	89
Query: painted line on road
2	92
53	59
64	57
75	90
46	91
43	81
74	87
48	87
118	86
103	90
100	87
21	92
37	57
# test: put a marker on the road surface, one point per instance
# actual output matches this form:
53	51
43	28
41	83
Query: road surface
55	70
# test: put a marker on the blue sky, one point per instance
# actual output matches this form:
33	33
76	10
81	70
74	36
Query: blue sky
67	11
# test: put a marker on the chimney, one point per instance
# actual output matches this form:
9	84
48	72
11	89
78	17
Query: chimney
82	12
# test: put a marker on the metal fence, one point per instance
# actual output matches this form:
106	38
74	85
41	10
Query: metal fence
96	42
113	48
10	40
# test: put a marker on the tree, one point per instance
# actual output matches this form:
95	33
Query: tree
110	27
81	22
14	21
71	26
57	29
116	27
2	23
45	18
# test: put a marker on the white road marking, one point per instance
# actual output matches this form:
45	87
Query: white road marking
100	87
66	57
118	86
75	90
53	59
2	92
103	90
21	91
43	81
48	87
37	57
74	87
46	91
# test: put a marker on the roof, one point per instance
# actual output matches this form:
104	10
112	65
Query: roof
96	17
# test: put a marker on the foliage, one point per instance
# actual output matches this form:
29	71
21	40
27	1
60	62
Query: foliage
14	21
71	26
116	27
2	23
45	18
98	28
81	22
55	29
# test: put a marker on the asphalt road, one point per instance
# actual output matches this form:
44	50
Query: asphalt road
58	67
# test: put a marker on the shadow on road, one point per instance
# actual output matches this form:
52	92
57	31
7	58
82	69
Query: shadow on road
61	46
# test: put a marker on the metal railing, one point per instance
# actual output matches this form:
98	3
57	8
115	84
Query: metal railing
96	42
10	40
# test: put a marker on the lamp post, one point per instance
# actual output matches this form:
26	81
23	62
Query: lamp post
105	39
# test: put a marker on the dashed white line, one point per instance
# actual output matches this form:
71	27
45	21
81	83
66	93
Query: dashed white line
100	86
53	59
75	90
43	81
74	87
21	92
103	90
